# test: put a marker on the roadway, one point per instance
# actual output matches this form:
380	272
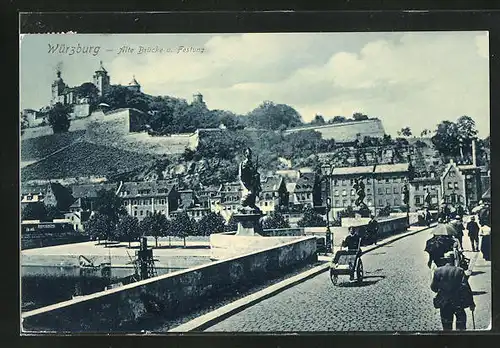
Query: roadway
395	296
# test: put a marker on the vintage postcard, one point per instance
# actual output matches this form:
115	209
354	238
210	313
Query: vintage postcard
256	182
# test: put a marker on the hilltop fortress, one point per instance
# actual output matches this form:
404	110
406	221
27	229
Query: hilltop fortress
124	128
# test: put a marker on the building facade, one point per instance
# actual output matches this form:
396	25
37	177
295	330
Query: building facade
421	188
142	199
274	195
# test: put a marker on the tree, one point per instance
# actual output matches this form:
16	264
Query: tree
232	225
319	120
446	139
88	90
272	116
405	131
183	226
127	229
58	117
311	219
338	119
99	227
275	220
425	132
358	116
467	132
109	204
34	211
211	223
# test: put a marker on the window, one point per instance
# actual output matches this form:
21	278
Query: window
344	193
351	181
387	180
369	202
368	180
456	185
450	185
396	201
135	202
395	180
380	203
308	196
368	190
141	213
337	203
388	191
266	204
417	187
135	213
395	190
380	190
336	192
344	203
162	201
335	182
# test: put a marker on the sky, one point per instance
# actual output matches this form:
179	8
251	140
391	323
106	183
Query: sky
414	79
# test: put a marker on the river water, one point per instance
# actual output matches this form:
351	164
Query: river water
45	285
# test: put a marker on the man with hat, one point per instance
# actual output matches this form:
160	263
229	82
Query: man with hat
473	231
459	229
453	293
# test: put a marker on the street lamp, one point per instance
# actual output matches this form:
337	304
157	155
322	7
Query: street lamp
406	201
328	231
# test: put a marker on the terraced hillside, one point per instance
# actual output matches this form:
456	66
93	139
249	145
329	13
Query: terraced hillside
33	149
85	159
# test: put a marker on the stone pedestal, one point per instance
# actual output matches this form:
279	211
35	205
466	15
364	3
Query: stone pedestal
248	224
363	211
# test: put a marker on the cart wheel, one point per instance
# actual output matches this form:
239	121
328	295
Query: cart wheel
333	277
359	272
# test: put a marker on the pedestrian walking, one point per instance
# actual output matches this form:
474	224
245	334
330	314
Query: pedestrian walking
459	228
372	229
454	294
473	232
427	217
485	222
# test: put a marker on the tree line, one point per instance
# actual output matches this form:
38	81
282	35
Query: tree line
110	221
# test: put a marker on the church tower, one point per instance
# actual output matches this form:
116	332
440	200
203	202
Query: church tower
58	87
101	79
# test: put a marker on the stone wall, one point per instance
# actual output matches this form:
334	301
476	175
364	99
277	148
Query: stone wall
31	241
347	131
169	295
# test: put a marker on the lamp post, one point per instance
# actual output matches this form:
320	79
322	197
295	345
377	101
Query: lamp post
329	237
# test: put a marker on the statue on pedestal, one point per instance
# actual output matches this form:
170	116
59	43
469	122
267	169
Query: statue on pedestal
359	186
427	198
250	180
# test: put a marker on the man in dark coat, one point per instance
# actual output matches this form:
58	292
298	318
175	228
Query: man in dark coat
372	229
473	231
453	294
459	228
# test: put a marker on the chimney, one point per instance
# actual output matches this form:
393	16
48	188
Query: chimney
474	152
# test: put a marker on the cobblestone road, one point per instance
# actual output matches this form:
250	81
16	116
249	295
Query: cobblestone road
395	296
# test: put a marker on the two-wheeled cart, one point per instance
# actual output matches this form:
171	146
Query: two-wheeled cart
347	262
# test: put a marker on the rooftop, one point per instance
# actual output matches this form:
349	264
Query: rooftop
352	170
391	168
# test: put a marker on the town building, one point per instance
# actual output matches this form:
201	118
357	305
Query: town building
388	183
134	85
274	195
228	199
34	118
420	187
343	194
461	185
142	199
87	193
307	191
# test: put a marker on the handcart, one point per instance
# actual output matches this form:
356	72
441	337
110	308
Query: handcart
347	262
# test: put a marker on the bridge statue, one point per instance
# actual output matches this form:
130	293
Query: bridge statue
359	187
250	180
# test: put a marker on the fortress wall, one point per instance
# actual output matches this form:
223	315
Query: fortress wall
347	131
